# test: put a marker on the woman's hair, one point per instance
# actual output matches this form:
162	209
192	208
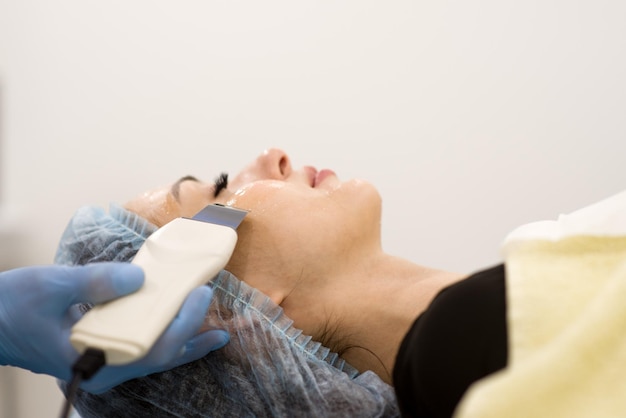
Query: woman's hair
269	368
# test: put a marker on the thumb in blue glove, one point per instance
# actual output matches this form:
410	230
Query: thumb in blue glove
37	312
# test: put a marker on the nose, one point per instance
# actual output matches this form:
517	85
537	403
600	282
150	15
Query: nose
275	164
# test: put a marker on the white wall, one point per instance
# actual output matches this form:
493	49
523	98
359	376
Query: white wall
470	117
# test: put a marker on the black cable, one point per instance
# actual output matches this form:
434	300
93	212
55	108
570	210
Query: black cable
71	392
86	366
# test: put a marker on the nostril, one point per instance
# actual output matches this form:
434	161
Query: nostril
275	164
283	165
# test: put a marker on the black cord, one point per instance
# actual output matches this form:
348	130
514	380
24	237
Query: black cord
86	366
71	393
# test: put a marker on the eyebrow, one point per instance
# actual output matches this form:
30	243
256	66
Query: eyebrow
175	190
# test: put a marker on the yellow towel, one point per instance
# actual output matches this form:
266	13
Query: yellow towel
566	296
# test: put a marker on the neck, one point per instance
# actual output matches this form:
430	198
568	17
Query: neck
387	296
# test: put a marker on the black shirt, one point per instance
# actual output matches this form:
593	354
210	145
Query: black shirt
460	338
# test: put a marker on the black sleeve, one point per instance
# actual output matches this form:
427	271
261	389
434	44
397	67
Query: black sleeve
460	338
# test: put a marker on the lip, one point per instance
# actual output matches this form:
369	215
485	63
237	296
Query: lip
317	177
322	175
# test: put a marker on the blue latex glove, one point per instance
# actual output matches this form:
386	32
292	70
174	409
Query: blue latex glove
37	311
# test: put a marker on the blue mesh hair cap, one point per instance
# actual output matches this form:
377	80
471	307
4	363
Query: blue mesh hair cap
269	368
92	235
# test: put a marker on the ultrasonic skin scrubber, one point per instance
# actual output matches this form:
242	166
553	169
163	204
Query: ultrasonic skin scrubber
177	258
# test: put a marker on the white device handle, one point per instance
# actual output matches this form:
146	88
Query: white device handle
176	259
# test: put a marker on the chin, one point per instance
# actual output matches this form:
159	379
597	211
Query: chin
363	194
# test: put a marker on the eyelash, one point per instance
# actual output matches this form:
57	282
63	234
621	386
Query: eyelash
221	182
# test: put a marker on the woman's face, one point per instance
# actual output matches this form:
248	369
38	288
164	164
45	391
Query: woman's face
302	223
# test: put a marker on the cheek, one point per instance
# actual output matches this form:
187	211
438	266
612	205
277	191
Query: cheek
262	198
298	221
291	230
292	209
281	215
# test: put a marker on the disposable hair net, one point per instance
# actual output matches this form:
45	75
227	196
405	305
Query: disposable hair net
269	368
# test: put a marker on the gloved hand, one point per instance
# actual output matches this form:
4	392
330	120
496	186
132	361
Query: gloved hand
37	312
